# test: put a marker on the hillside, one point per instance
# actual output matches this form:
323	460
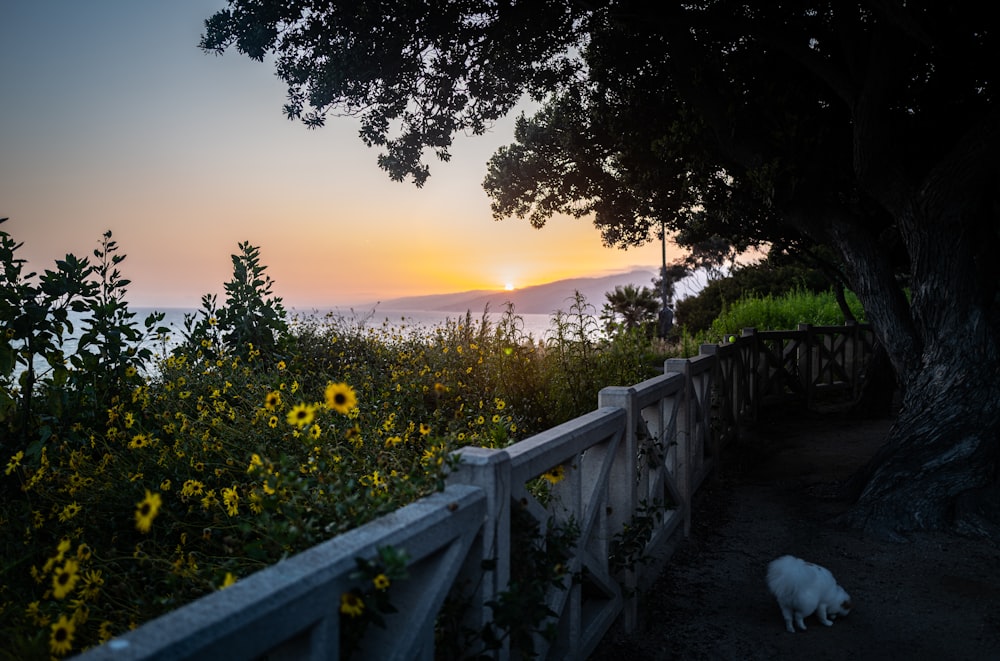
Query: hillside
538	299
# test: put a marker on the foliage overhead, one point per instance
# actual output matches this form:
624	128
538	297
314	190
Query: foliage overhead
415	73
792	125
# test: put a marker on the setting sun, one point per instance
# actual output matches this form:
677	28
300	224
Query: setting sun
509	287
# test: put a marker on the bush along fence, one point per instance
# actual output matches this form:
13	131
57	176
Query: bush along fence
534	550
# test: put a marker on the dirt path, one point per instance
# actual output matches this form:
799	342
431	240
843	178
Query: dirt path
936	597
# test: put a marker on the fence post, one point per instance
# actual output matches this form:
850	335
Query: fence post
852	357
623	492
752	363
806	350
685	423
487	572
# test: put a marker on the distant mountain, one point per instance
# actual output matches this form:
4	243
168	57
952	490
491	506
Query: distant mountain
538	299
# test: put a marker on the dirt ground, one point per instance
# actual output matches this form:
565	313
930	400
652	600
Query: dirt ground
934	597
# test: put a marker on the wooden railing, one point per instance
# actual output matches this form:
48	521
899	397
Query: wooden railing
631	469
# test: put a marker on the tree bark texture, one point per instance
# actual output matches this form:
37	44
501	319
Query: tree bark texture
942	451
940	465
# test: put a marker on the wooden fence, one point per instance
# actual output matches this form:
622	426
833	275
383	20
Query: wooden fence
631	468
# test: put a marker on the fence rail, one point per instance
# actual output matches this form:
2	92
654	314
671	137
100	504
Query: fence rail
631	469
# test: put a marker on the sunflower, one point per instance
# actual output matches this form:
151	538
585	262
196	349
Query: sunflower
301	415
424	429
71	510
381	582
146	511
555	475
353	435
65	578
231	499
351	604
61	640
341	398
273	400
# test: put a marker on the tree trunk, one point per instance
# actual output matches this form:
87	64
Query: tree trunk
939	466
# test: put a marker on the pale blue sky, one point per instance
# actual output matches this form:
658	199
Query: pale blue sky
112	118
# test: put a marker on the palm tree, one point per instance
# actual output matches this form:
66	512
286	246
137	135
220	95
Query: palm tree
631	307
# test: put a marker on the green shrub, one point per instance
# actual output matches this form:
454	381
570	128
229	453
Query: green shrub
783	312
771	277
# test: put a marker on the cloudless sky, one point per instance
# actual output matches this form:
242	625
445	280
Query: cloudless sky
112	119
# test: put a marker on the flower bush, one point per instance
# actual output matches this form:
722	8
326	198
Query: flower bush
137	479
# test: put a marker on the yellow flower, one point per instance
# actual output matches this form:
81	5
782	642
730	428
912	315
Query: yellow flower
381	582
146	511
351	604
92	582
61	640
555	475
130	371
301	415
340	397
14	462
273	400
256	504
209	500
227	581
231	499
65	578
191	488
424	429
281	365
272	422
69	511
315	431
255	463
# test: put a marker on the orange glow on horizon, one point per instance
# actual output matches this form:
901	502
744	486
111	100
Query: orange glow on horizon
331	227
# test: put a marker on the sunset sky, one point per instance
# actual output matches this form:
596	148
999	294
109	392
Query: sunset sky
113	119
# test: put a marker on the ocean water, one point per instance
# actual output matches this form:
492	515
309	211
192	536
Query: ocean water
537	326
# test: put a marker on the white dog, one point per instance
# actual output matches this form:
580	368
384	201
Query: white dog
803	588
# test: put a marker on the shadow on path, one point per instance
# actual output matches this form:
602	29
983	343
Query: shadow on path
935	597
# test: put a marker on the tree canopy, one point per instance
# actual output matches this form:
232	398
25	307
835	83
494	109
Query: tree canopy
862	133
415	73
